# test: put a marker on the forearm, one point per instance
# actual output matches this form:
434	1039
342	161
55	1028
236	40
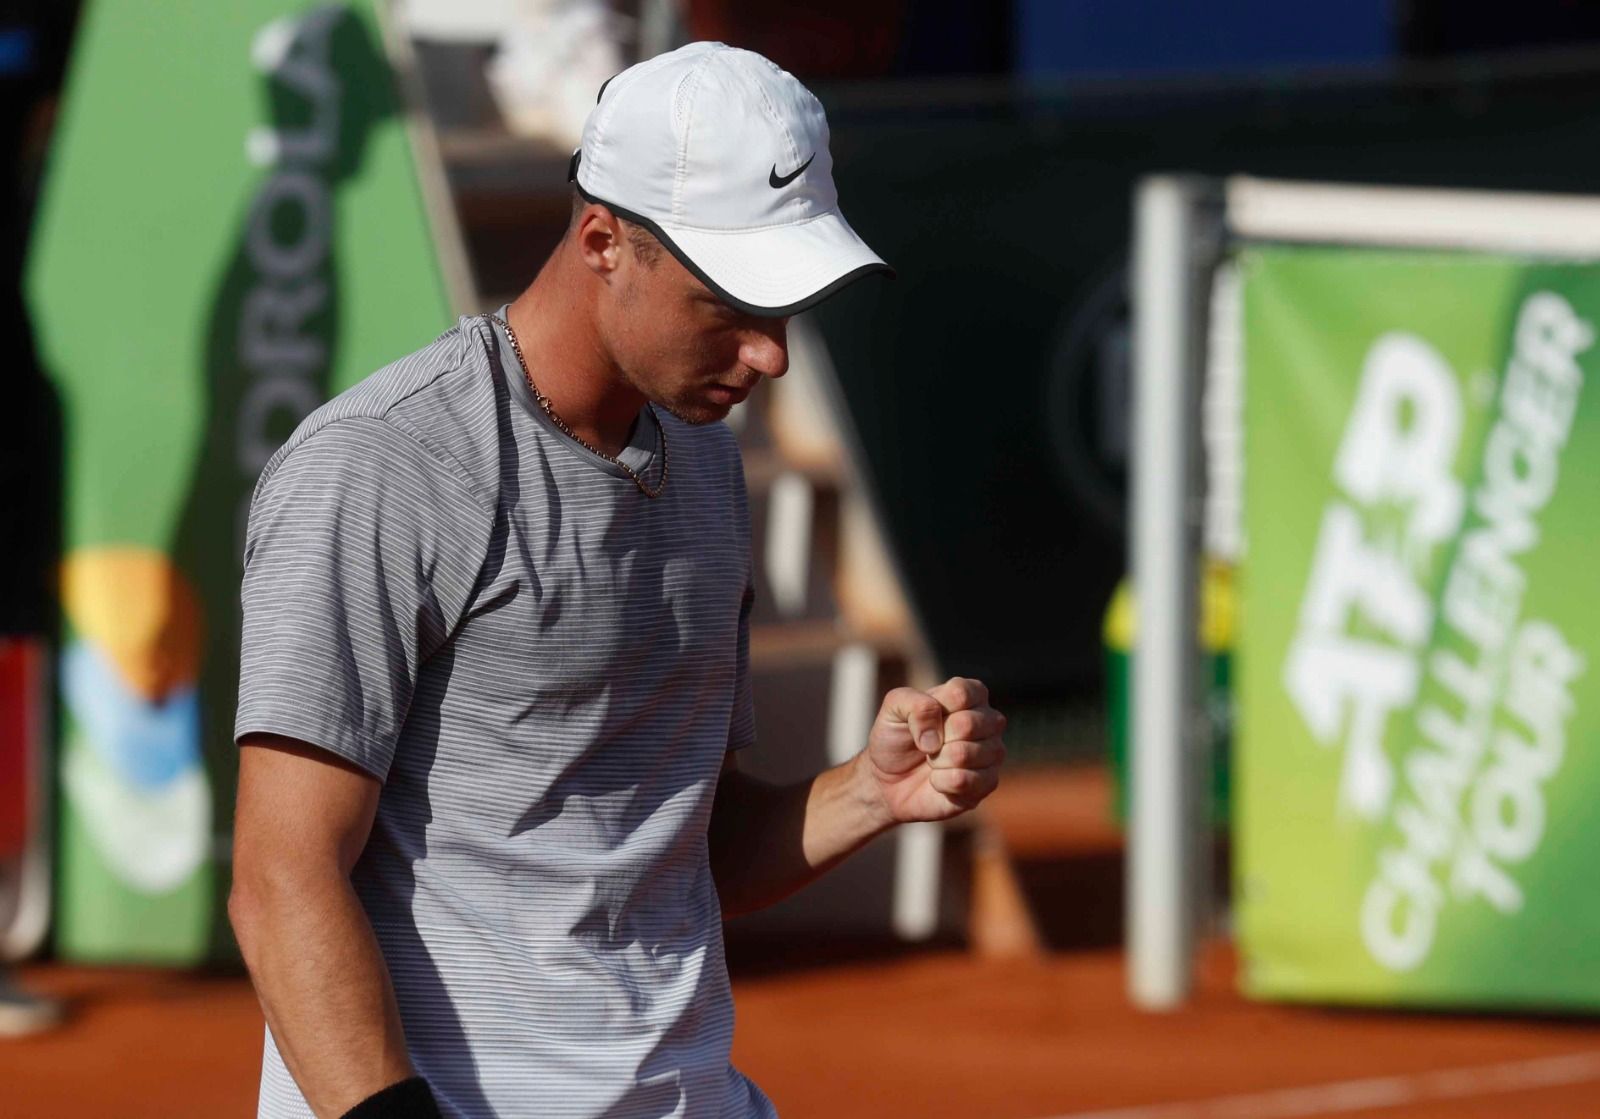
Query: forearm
324	989
767	841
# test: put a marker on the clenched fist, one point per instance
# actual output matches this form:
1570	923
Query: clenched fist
934	754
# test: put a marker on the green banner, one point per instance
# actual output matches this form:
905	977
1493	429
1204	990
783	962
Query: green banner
231	230
1419	631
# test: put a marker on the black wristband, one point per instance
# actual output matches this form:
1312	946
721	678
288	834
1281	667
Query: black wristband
409	1099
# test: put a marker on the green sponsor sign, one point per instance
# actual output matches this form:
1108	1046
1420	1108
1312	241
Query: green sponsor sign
1419	633
231	230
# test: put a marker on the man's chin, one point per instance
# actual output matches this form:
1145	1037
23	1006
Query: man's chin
698	412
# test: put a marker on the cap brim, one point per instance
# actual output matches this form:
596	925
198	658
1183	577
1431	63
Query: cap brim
772	272
782	270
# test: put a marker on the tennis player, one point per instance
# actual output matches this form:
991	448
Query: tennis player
495	656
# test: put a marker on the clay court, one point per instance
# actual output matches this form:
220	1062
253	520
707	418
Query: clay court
865	1030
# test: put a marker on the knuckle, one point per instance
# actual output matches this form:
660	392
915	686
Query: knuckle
902	700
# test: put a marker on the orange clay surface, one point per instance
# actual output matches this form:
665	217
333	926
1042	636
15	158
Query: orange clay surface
862	1032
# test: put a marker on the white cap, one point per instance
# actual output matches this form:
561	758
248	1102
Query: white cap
724	157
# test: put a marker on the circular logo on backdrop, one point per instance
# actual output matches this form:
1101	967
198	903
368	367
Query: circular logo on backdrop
1088	396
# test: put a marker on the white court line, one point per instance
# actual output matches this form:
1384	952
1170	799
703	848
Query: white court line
1377	1092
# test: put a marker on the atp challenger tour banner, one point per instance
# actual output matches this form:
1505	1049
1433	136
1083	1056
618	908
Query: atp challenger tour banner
1419	716
231	230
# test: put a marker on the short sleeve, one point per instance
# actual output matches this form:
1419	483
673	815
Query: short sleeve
362	553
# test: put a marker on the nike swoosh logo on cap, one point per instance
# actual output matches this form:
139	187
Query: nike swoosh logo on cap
778	182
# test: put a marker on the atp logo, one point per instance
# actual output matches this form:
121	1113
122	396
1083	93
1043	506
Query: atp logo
1367	612
1416	651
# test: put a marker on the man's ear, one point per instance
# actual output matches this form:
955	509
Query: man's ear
599	239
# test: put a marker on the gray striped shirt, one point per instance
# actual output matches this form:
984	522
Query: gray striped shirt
545	668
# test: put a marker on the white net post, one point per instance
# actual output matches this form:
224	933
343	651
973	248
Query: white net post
1177	234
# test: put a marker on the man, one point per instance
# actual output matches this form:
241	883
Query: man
495	674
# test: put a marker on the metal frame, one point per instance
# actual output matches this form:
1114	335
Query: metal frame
1177	243
1547	225
919	847
432	180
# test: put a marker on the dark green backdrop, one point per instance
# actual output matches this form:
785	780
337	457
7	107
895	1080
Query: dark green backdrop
987	382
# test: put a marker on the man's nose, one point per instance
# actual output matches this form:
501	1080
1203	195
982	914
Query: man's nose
766	347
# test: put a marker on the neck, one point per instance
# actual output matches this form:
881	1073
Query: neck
554	322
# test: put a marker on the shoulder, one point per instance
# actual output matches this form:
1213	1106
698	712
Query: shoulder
369	461
412	411
358	486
